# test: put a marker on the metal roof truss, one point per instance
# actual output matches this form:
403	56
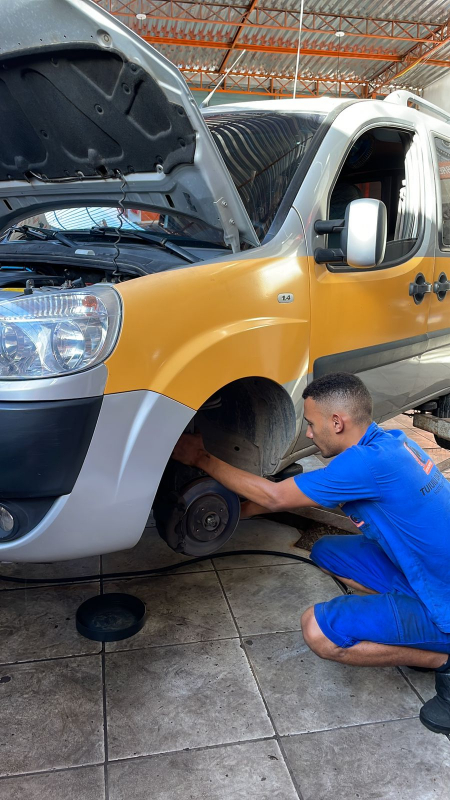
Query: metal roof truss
396	47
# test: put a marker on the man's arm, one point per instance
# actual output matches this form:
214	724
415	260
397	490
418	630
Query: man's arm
250	509
267	495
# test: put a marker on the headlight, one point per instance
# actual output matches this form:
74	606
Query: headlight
45	334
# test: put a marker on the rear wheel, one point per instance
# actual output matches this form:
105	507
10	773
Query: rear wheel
443	411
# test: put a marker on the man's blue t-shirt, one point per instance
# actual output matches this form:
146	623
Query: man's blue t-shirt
394	494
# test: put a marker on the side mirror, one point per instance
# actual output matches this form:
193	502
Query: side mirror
363	235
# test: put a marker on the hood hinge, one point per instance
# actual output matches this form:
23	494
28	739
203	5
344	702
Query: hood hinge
231	230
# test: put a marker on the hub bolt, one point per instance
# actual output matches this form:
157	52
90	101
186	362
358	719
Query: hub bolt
211	522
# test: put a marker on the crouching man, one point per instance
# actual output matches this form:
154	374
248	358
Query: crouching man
400	557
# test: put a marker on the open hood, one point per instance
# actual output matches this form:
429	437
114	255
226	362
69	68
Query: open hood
93	115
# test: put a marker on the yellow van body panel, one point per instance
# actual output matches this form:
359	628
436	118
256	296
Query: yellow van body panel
187	333
439	318
357	309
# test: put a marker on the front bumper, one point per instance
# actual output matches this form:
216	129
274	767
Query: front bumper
111	498
43	445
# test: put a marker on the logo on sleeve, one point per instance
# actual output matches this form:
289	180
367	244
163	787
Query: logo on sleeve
426	463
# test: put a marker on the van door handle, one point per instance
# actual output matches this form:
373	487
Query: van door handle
441	286
419	288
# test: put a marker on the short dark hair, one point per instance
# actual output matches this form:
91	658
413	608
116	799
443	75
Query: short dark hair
343	387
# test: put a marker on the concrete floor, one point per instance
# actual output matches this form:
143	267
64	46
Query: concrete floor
217	698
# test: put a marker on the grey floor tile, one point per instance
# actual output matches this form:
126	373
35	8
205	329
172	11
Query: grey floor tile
150	552
305	693
86	783
270	599
51	715
390	761
396	422
40	623
79	567
180	609
439	455
250	771
170	698
260	534
423	682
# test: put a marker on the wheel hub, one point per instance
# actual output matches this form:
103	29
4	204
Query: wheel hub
207	518
204	515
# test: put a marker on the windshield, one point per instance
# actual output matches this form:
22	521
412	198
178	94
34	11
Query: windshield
262	150
174	225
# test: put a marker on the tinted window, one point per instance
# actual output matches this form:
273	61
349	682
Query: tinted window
443	154
385	164
262	150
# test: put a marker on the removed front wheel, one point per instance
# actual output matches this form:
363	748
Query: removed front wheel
199	518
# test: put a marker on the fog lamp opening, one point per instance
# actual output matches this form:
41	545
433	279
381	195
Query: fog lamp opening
6	521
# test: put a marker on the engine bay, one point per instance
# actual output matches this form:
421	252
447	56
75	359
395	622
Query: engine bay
33	258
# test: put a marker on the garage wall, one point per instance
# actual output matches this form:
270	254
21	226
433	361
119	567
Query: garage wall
439	92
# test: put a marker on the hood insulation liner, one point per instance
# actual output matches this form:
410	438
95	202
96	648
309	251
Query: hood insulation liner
87	112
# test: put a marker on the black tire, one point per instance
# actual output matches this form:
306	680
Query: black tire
444	443
443	411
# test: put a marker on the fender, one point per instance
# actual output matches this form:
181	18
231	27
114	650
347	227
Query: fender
188	332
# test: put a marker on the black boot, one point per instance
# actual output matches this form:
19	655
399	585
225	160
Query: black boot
435	714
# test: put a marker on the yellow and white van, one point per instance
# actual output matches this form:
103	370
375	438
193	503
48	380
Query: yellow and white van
251	248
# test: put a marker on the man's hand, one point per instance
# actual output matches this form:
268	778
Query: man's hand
189	449
265	496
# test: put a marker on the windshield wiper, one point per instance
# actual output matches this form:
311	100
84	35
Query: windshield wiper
152	238
43	234
160	240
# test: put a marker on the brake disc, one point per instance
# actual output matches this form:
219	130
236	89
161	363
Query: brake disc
203	517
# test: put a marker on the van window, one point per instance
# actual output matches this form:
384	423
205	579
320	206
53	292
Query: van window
443	154
262	151
386	164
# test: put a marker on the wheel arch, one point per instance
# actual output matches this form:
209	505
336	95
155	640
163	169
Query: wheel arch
249	423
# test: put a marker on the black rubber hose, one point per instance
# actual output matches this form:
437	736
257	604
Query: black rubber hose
161	570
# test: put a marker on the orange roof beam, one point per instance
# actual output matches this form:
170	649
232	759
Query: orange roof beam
418	55
308	88
264	48
245	17
235	74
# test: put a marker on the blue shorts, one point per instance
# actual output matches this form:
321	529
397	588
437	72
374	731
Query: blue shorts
396	616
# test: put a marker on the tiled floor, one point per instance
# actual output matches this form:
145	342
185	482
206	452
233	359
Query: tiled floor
217	698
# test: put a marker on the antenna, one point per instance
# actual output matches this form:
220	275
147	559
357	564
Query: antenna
205	102
298	48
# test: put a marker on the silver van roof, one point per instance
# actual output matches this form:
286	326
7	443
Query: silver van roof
402	97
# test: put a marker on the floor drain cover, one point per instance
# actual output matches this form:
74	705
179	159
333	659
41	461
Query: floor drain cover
110	617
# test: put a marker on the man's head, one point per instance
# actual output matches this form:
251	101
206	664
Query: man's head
338	409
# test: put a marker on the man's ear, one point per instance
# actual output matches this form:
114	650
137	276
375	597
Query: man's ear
338	423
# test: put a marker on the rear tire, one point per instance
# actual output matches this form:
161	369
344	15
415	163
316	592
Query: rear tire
443	411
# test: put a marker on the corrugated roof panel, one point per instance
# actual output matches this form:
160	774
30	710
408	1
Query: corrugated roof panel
334	63
428	11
